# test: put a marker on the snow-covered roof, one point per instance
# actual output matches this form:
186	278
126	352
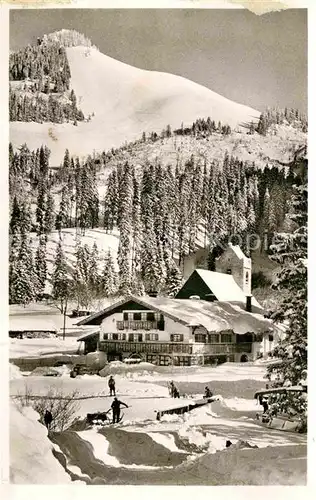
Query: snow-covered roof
224	287
29	323
238	251
89	333
214	316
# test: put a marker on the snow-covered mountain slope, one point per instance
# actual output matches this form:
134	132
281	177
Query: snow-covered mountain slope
125	101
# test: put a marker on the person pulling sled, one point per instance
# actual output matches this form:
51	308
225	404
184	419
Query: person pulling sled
116	410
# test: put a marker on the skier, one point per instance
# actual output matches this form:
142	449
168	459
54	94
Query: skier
48	417
116	409
112	386
208	393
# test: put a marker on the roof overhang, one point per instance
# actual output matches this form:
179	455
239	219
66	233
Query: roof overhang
138	300
91	333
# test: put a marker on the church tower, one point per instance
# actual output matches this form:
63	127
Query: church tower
233	261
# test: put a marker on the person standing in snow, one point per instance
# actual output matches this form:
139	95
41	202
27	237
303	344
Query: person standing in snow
171	388
48	418
112	386
208	393
116	409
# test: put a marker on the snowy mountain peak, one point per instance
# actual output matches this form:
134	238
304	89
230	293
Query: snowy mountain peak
120	102
69	38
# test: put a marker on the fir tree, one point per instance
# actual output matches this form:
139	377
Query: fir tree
291	252
125	225
49	220
109	279
25	283
15	219
61	287
40	265
14	251
80	283
94	279
174	278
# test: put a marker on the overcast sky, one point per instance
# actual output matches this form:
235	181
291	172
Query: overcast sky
255	60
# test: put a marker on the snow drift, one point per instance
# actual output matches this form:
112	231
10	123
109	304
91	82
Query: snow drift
124	101
31	457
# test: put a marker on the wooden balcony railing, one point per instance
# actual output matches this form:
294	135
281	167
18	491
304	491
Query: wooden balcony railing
140	325
155	348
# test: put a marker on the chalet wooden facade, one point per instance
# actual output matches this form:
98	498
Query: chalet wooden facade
167	331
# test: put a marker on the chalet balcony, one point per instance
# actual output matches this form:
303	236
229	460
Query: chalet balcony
140	325
213	349
144	347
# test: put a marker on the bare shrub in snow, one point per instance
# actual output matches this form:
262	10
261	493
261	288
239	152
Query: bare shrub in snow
63	406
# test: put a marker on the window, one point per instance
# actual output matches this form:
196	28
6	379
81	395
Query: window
226	338
270	338
183	361
199	337
176	337
229	271
152	358
137	316
151	316
114	336
125	316
135	337
214	338
247	278
151	336
164	360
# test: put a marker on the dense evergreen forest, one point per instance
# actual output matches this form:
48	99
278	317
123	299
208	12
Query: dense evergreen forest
161	214
40	84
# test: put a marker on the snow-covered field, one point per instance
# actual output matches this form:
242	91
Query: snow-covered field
141	443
